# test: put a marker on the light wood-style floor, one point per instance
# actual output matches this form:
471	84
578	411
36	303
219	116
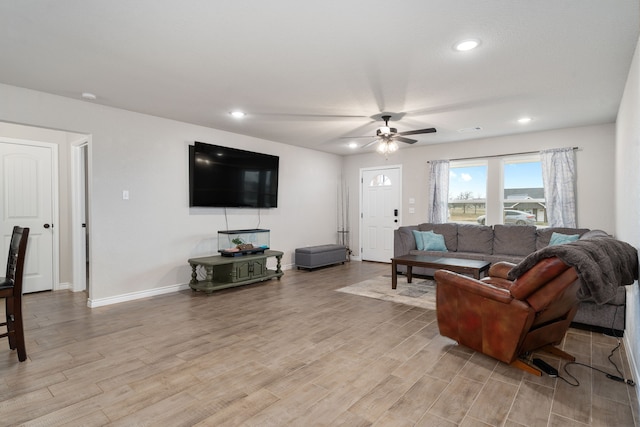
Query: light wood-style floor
288	352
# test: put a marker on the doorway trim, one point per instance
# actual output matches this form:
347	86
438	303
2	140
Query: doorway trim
79	212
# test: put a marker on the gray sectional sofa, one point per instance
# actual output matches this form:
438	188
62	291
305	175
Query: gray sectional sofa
510	243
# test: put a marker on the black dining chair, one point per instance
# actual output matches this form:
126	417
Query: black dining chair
11	291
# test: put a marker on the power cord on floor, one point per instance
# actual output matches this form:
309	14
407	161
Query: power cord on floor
629	382
618	378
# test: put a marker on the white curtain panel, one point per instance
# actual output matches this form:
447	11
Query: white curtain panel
559	180
438	192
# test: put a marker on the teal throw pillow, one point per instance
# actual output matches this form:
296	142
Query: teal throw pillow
559	239
433	241
419	242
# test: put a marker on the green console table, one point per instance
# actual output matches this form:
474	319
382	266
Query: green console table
226	272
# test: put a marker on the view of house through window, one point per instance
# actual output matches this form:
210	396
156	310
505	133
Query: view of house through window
522	200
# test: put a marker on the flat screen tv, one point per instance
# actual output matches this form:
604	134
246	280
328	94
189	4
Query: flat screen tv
228	177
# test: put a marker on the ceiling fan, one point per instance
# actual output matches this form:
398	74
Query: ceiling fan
386	135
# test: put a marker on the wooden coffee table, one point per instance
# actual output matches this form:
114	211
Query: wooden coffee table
458	265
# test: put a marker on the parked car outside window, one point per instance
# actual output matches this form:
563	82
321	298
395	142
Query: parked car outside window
512	216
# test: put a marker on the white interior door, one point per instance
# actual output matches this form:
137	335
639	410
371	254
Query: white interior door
26	200
381	195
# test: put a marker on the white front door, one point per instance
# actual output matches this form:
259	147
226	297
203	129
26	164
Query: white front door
26	200
381	195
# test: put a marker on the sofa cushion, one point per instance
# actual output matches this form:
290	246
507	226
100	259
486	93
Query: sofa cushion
544	234
458	255
514	259
475	238
514	239
449	231
592	234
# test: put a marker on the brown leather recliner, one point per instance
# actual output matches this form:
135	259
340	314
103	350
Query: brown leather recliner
507	319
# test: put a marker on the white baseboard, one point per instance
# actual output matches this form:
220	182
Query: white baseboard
92	303
62	286
632	362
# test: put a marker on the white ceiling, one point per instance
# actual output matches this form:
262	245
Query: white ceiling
310	73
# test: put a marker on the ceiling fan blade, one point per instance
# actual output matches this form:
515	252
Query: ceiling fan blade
352	137
416	132
371	143
407	140
305	116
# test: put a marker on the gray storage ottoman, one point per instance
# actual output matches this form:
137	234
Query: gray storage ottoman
319	256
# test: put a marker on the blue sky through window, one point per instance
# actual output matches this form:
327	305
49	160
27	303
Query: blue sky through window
523	175
471	178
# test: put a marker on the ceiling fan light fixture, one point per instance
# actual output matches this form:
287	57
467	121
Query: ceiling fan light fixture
387	147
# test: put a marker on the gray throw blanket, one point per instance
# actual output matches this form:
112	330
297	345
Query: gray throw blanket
603	264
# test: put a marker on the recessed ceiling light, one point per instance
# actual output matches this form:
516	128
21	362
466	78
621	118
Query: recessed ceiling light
524	120
353	145
473	129
89	96
237	114
465	45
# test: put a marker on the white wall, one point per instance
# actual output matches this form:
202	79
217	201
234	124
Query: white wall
144	243
595	170
628	197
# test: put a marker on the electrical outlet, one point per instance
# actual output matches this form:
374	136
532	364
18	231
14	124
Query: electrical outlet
125	194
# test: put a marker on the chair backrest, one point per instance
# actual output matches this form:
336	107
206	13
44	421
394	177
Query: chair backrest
545	283
15	260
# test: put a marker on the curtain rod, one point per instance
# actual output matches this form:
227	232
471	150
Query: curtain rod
500	155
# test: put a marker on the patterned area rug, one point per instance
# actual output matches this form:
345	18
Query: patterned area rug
419	293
